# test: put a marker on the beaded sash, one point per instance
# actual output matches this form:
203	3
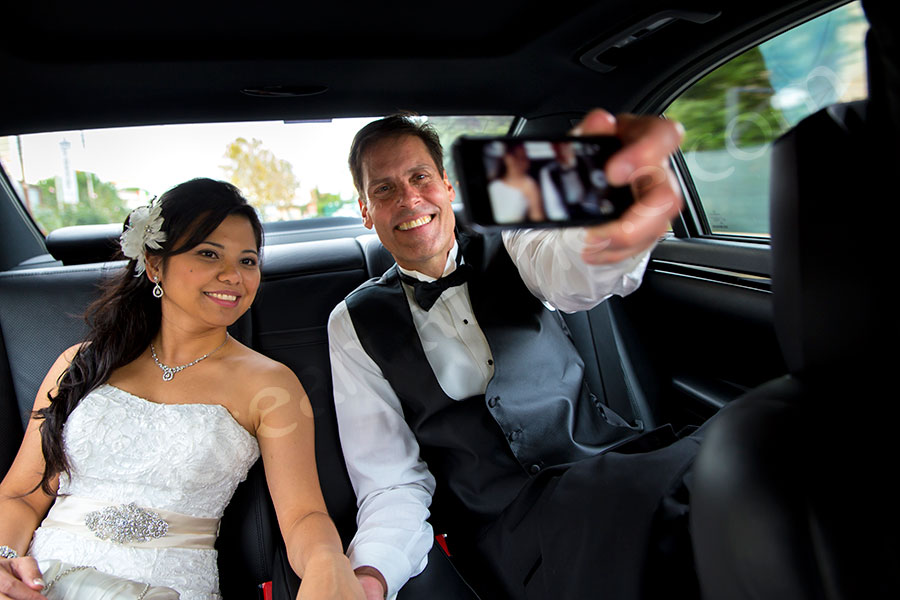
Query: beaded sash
130	524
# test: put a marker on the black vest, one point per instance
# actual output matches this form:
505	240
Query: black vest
589	204
536	412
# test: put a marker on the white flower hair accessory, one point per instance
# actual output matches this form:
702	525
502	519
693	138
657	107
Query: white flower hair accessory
144	230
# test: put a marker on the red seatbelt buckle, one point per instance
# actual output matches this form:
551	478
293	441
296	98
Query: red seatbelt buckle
441	539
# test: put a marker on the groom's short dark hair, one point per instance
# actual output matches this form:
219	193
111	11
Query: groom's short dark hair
393	126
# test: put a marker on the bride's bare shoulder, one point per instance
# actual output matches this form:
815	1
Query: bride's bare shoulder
255	369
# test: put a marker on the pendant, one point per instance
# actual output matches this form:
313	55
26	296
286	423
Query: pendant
169	372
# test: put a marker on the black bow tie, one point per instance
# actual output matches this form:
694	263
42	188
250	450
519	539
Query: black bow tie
427	292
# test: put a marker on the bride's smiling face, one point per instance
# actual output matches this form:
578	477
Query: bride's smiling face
215	282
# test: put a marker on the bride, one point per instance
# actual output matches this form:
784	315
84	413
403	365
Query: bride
141	433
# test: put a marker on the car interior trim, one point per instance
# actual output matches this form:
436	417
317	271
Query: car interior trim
747	280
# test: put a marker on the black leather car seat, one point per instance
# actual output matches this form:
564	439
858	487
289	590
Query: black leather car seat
793	484
440	579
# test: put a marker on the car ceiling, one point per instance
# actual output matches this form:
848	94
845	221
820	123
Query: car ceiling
93	64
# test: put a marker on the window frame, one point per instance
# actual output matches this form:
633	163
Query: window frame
692	222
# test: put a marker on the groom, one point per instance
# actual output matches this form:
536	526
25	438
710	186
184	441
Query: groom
453	382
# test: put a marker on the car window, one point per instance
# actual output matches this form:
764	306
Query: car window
288	170
732	115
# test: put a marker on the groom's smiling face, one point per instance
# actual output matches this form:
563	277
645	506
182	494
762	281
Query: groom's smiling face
408	203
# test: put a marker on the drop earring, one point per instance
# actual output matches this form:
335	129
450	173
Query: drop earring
157	289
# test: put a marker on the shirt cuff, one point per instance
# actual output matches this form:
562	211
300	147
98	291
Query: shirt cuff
391	563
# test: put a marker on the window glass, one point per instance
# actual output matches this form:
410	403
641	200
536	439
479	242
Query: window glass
288	170
732	115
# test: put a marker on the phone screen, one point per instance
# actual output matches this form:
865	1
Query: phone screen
534	182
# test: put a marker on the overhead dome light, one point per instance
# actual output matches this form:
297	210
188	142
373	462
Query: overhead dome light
605	56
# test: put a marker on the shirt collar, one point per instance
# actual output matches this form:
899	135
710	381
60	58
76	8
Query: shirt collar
449	267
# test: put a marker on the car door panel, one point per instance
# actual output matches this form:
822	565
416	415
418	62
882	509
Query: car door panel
703	316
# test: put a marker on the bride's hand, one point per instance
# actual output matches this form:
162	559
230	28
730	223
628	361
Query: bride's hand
20	579
330	578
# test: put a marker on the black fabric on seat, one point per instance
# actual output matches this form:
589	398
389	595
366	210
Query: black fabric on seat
616	369
378	259
40	316
302	283
793	498
11	430
790	503
248	538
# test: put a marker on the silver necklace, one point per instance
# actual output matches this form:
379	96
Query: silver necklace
169	372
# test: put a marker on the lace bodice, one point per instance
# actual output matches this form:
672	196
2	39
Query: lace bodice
185	458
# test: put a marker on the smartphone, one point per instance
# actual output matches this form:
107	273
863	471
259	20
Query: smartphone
509	182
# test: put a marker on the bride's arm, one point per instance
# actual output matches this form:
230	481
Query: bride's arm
283	418
22	506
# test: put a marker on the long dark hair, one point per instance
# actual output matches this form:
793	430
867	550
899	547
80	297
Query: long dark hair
124	319
502	169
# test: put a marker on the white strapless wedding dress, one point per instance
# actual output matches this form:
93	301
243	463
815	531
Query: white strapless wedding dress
172	458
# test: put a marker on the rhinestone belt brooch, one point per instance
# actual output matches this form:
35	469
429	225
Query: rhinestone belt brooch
126	523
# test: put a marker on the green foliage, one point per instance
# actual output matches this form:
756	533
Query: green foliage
731	114
818	62
734	100
99	202
450	128
328	204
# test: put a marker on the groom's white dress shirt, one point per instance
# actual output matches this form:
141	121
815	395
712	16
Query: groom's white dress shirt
393	485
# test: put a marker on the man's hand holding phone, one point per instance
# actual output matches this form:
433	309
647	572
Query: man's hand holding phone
642	163
611	176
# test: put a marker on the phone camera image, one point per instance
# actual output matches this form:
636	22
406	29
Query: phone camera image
513	182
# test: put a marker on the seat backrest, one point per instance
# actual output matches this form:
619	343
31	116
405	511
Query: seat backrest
790	497
302	283
40	316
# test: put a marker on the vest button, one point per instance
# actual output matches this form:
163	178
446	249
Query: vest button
534	469
494	401
490	361
514	435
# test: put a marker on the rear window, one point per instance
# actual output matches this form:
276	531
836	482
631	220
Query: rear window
288	170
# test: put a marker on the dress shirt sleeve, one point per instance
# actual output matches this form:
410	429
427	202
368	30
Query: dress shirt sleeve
549	262
393	485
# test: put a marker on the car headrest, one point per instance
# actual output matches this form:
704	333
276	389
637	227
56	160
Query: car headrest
824	296
378	259
833	218
81	244
883	65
